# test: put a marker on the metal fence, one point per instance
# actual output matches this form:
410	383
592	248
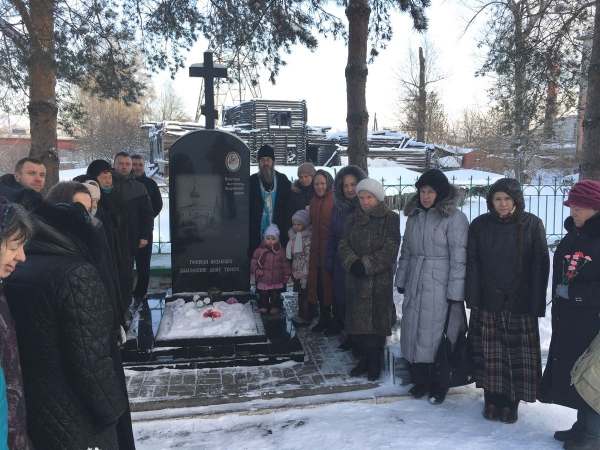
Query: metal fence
543	200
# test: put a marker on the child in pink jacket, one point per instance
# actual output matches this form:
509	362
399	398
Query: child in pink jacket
271	269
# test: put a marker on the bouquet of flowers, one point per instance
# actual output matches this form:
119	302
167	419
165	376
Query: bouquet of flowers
571	267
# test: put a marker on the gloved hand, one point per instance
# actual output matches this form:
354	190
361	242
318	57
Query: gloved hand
562	290
121	336
330	272
303	282
358	269
453	301
259	273
400	290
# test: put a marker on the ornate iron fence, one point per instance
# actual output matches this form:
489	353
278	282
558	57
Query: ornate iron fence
543	200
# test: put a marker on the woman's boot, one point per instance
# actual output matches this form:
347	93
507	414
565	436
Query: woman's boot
574	431
305	310
374	362
492	406
510	412
324	319
337	323
363	364
347	344
589	439
437	395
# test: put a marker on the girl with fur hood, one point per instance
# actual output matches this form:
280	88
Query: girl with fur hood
271	269
431	275
298	250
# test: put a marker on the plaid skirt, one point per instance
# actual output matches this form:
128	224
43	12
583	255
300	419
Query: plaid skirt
506	352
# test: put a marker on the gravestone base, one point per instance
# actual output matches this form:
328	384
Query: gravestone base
275	342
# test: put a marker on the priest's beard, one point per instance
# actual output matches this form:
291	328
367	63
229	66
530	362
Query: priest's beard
267	175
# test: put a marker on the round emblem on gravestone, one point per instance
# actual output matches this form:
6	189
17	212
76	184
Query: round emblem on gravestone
233	161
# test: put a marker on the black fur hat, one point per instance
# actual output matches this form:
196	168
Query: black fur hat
98	166
437	180
266	151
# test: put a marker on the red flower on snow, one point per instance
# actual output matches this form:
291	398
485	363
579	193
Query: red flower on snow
212	314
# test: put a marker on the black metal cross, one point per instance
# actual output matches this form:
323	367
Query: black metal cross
209	71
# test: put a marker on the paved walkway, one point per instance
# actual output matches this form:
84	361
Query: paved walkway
325	371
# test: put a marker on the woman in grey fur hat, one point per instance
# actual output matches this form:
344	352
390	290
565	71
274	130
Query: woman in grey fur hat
431	275
368	250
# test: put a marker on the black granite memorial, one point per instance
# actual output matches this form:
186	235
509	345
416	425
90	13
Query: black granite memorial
209	222
209	210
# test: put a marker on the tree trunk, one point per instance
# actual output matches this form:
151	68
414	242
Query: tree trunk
42	91
357	119
590	158
551	98
519	136
422	106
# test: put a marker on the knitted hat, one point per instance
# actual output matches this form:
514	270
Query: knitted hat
98	166
302	216
372	186
306	169
266	151
272	230
509	186
438	182
585	194
94	189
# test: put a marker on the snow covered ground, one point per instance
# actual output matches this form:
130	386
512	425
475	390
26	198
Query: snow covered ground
403	424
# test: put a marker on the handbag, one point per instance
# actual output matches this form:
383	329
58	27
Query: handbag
455	368
585	375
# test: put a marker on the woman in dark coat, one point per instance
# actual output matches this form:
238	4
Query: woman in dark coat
65	332
113	213
345	200
575	313
320	284
301	192
70	191
505	288
368	250
15	229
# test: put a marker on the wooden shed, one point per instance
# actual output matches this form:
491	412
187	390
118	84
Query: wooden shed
278	123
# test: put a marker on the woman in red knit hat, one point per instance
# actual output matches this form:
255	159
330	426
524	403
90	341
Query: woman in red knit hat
575	312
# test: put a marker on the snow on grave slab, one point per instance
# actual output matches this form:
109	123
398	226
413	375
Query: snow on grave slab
183	320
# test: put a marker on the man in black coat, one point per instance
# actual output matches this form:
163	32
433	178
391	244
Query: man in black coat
138	202
269	194
142	260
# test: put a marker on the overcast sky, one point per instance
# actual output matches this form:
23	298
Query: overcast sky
318	77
